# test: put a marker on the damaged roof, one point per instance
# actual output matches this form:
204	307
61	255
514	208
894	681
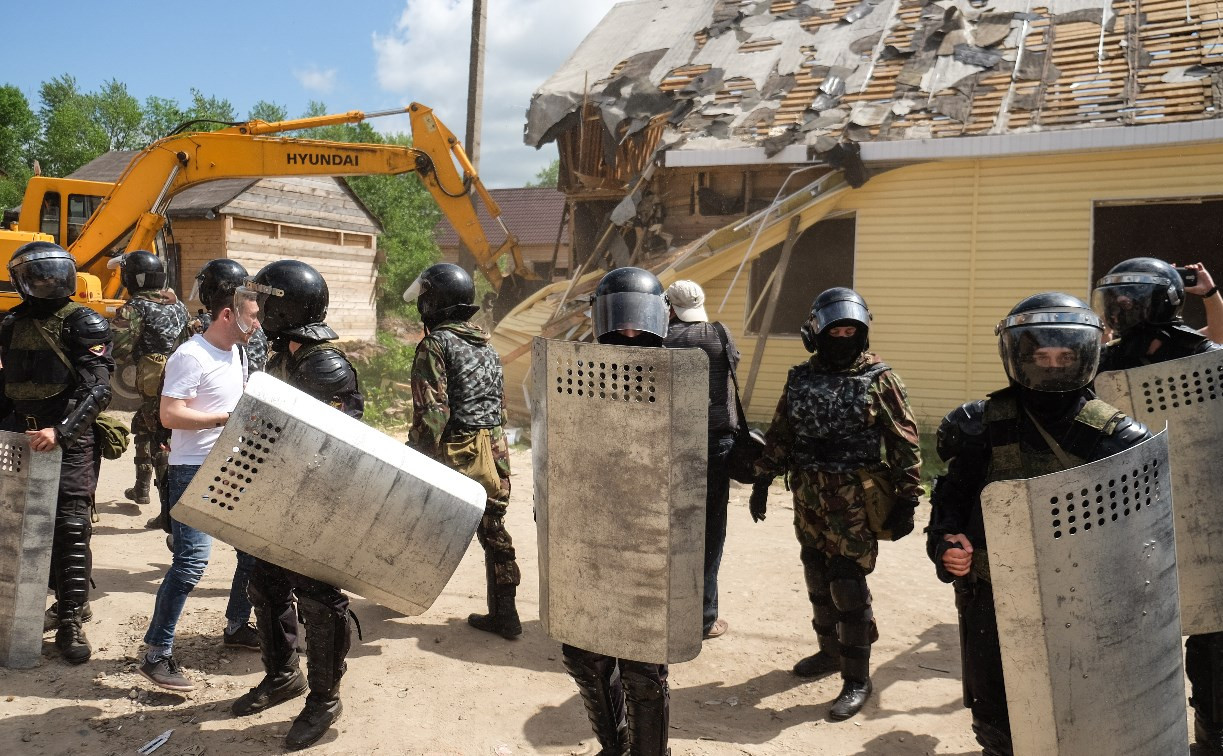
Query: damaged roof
724	74
534	214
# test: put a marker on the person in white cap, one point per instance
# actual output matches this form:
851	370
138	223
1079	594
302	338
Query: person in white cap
690	328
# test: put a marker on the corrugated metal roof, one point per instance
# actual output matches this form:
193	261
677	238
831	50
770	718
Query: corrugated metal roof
531	213
725	74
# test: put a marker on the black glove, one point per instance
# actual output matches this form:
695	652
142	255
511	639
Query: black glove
900	521
757	503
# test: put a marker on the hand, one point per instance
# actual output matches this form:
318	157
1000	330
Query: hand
1205	282
758	502
42	440
958	559
900	520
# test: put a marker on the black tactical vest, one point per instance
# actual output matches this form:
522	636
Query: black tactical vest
830	417
32	369
474	381
162	326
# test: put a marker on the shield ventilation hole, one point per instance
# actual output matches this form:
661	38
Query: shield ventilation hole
1084	510
238	472
11	458
1181	389
609	381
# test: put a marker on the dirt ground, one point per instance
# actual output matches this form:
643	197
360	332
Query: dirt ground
432	685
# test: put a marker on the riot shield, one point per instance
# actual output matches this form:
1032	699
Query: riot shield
1083	565
304	486
619	443
1186	395
29	487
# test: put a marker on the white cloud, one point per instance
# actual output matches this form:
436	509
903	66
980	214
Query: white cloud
316	79
425	58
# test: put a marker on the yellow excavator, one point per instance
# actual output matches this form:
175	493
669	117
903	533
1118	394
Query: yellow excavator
92	218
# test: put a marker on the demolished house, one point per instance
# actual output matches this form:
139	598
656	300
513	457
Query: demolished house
945	158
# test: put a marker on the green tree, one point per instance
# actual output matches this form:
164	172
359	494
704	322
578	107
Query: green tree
547	176
70	136
18	132
161	116
210	109
118	114
267	111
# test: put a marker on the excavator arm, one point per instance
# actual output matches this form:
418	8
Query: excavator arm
141	195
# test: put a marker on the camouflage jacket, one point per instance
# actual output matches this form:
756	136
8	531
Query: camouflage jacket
883	414
148	324
457	384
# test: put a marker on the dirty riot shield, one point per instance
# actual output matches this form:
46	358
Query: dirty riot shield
1187	394
29	488
302	485
1083	564
619	444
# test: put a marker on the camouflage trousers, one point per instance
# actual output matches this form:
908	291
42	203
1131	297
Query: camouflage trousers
484	456
151	439
830	516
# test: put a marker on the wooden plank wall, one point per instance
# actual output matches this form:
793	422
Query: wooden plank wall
199	241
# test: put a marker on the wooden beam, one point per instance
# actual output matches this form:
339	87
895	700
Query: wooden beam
771	310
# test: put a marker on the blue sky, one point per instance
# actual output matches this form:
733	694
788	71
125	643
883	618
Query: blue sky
356	55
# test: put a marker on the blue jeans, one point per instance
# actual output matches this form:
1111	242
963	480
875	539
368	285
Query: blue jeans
717	495
191	551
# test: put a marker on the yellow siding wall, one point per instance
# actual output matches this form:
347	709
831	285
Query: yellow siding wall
944	250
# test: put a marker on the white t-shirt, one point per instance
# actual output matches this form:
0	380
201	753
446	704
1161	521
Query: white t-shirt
210	379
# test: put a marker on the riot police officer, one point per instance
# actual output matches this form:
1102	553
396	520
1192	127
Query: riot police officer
1045	421
1141	300
56	366
628	702
147	330
293	304
457	419
835	411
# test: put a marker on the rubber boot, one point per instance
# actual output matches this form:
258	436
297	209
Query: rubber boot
139	493
329	634
282	679
72	587
502	617
603	696
649	709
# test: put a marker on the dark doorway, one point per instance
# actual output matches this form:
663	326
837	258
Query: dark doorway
1179	231
823	257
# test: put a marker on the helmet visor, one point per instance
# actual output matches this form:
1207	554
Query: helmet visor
412	293
630	311
1125	304
257	294
837	311
1051	350
44	275
195	289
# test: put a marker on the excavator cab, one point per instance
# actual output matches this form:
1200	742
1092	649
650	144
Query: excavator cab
60	208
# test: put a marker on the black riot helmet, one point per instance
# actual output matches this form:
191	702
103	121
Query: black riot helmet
1050	342
835	308
629	299
142	271
42	270
291	295
1137	291
215	275
443	292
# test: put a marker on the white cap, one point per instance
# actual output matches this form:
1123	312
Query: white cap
688	300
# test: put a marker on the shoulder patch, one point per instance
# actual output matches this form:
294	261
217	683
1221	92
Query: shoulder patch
98	349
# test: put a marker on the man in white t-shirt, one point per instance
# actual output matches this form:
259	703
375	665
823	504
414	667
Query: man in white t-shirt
203	382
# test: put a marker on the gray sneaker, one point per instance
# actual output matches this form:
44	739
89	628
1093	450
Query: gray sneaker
165	673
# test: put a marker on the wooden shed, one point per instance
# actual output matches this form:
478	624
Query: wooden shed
944	160
536	215
318	220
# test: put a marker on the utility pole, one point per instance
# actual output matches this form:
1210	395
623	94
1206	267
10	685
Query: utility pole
475	81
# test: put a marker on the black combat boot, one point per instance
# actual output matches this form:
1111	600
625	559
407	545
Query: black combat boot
502	617
649	711
603	695
139	493
72	587
828	659
50	619
282	680
993	740
328	632
855	632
